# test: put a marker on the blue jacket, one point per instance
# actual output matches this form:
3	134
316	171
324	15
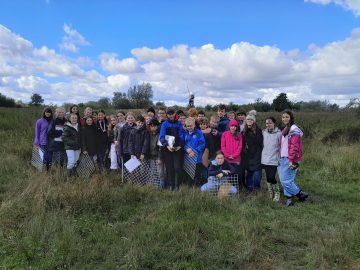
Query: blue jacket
196	141
172	128
223	125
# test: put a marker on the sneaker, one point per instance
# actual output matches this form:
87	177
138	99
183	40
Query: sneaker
302	196
289	202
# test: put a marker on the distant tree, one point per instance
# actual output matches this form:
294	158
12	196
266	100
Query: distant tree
121	101
160	104
36	100
6	102
104	103
281	103
140	96
262	106
208	107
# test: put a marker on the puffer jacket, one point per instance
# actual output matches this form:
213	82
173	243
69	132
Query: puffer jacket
295	147
71	137
271	152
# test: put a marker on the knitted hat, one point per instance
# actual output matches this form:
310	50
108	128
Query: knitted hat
253	112
251	116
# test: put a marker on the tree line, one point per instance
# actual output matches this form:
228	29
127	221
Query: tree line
140	97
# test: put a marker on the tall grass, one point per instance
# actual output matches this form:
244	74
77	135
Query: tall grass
101	223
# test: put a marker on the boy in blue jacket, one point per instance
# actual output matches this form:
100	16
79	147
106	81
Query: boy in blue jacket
194	146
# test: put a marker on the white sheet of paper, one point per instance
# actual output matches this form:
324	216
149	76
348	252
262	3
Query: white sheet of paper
170	139
58	139
41	154
132	164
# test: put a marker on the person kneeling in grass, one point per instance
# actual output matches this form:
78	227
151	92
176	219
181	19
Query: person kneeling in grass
219	172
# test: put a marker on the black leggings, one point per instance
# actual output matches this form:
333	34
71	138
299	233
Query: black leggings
270	171
173	163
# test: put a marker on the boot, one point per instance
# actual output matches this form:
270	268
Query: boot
68	172
302	196
276	189
289	202
270	190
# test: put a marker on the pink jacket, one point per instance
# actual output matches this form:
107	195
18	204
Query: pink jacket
295	147
230	146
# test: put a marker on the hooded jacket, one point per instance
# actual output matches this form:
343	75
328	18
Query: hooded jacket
71	137
230	145
139	142
41	128
271	152
253	145
195	141
295	147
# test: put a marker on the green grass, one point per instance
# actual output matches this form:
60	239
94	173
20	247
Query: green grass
103	224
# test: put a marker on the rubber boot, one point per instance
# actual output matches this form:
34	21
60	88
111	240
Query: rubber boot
302	196
276	189
289	202
270	190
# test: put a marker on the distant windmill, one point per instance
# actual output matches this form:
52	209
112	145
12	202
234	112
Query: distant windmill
191	98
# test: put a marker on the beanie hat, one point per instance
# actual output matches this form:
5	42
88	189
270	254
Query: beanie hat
251	116
253	112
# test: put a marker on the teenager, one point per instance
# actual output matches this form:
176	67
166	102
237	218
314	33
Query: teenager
172	142
112	135
194	145
219	170
54	132
270	156
72	143
87	112
102	138
89	138
241	117
291	152
253	145
155	153
231	144
124	136
41	127
139	140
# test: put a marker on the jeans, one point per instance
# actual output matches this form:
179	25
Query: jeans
73	157
214	184
113	157
287	178
253	179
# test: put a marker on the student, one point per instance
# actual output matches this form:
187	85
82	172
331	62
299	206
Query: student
161	115
102	138
194	145
54	132
74	109
139	140
72	143
231	144
201	115
223	120
155	153
112	135
172	142
214	122
120	120
219	170
291	152
209	141
240	117
253	145
41	127
270	156
95	116
123	138
150	112
87	113
231	115
89	138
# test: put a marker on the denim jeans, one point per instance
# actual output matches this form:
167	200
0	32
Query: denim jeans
73	157
287	178
214	184
253	179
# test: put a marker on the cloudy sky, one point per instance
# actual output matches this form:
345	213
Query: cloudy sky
223	51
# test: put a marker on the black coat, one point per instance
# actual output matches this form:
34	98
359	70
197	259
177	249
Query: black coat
71	137
215	169
55	130
102	134
139	142
124	139
252	148
89	139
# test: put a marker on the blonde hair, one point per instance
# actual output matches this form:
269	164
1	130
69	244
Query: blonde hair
192	112
190	120
58	109
215	117
87	109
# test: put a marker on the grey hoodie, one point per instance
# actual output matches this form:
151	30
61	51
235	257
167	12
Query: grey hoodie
271	152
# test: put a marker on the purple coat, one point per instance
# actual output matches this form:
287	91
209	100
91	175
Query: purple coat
41	127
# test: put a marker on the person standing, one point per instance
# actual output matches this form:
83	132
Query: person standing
291	151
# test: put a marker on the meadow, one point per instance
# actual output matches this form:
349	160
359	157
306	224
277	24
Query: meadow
100	223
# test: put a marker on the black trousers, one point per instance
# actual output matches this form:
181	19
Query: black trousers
173	163
270	172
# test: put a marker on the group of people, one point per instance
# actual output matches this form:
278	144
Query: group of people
229	143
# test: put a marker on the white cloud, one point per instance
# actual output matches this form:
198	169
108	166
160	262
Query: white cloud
72	40
352	5
112	64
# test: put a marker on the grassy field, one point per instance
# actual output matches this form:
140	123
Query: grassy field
102	224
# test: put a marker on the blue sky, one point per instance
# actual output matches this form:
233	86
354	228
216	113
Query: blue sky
74	51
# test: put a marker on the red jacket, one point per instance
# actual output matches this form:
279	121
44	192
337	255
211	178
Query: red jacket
295	147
